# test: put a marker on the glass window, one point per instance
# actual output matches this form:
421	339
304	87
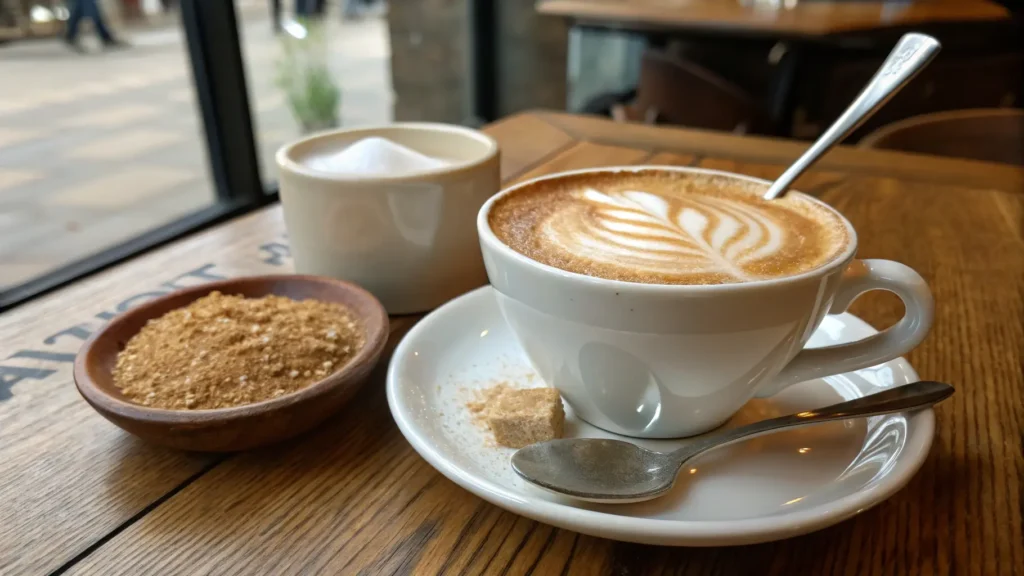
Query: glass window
100	139
314	69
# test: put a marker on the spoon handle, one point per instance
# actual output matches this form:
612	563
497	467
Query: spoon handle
912	53
899	399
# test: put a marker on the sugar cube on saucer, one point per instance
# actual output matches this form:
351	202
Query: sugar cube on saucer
522	417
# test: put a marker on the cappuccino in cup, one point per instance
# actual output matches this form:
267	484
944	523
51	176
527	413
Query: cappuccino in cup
658	300
667	227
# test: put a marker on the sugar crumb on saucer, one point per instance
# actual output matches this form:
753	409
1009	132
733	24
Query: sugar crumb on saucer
484	398
519	417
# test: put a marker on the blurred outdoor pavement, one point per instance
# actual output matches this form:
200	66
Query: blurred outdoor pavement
100	147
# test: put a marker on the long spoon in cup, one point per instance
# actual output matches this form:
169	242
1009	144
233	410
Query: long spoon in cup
912	53
614	471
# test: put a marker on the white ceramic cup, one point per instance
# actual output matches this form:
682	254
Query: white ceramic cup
664	361
408	239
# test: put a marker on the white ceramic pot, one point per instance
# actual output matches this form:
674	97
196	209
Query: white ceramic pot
408	239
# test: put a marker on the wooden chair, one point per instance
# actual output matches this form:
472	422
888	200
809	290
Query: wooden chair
994	135
675	91
952	82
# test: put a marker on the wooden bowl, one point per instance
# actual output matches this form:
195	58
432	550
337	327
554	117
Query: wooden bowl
241	427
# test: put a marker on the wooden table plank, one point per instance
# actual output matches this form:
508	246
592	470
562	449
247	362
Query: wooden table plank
587	155
964	505
812	182
802	18
69	477
545	138
353	496
672	159
760	150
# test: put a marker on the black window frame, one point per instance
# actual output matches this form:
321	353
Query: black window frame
218	70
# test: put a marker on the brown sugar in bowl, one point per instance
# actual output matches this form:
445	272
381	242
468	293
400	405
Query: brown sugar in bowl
239	427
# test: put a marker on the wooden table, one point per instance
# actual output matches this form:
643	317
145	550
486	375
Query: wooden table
803	17
78	495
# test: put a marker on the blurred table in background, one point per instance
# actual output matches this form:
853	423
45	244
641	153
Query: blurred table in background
802	61
787	17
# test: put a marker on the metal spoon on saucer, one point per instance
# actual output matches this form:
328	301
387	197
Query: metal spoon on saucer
614	471
912	53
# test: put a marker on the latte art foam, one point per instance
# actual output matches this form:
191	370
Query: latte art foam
666	227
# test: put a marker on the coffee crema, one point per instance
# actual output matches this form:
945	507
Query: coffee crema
667	227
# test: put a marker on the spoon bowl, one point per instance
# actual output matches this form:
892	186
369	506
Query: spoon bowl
615	471
597	470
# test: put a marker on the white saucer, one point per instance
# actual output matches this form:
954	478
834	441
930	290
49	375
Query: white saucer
767	488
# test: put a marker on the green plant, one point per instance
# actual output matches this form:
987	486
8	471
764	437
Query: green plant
304	76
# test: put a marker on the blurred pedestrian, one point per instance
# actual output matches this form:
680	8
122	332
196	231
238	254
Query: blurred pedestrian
310	8
89	9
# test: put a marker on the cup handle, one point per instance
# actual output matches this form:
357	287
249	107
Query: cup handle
863	276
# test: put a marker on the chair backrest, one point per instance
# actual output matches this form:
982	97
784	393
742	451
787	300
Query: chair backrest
675	91
995	135
950	83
